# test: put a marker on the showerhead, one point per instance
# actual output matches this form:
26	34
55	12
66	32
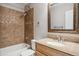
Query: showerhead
26	9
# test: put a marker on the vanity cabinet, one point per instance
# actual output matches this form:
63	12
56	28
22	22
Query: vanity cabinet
42	50
37	53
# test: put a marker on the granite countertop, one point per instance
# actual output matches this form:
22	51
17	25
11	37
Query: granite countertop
67	47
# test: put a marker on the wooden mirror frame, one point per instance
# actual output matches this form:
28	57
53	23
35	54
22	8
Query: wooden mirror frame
65	30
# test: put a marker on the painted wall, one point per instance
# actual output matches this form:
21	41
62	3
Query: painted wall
40	19
41	15
11	27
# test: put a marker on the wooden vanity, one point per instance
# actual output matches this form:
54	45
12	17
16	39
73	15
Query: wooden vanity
42	50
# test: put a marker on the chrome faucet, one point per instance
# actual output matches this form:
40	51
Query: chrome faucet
60	39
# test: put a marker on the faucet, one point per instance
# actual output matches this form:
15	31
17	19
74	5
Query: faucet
60	39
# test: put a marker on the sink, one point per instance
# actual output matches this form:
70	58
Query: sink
54	43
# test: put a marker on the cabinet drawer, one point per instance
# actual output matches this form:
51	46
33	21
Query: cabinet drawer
39	54
49	51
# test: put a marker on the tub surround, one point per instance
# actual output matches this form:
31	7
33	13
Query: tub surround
11	27
68	47
29	26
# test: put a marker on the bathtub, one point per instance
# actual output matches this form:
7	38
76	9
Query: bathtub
14	50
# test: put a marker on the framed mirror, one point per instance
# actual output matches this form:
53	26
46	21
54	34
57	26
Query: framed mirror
62	17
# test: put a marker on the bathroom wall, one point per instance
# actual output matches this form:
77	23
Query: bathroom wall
40	19
11	27
41	29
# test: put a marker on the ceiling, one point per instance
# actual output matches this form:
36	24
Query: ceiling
19	6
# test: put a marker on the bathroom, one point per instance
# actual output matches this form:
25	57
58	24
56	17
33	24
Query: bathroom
39	29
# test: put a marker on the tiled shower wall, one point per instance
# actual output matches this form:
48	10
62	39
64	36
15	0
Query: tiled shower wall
11	27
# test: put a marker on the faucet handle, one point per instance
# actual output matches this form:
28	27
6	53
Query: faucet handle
62	39
59	37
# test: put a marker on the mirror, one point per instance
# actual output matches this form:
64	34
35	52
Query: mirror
61	17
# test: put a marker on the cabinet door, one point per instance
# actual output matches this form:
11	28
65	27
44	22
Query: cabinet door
49	51
39	54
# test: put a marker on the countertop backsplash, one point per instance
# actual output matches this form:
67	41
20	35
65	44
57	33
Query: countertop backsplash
65	36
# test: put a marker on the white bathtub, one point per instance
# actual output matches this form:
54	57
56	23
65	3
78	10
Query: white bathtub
14	50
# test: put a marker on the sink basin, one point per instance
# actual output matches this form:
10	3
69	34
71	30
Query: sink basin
53	43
